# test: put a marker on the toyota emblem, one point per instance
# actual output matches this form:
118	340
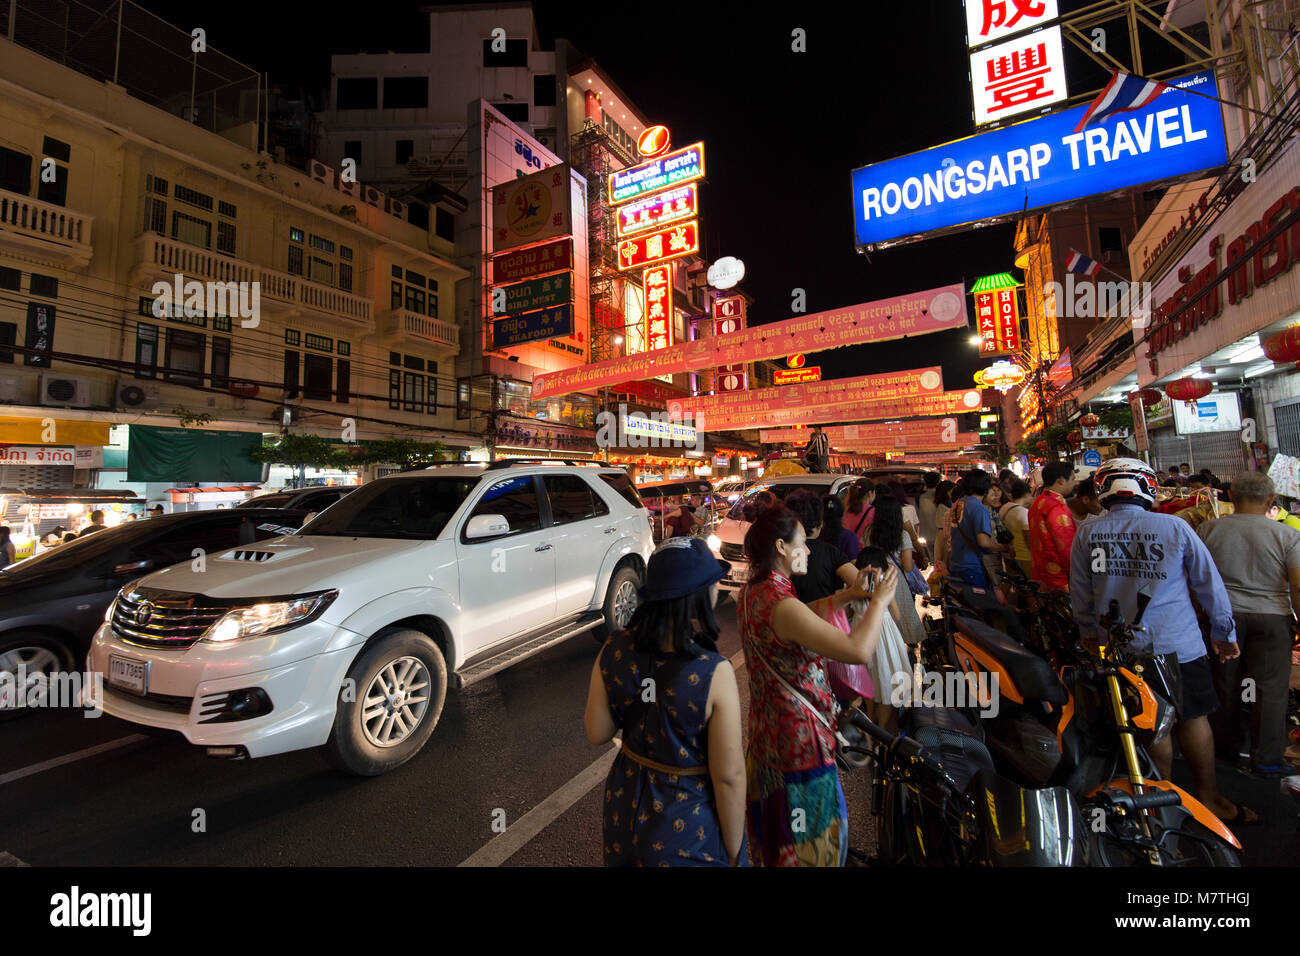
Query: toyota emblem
143	613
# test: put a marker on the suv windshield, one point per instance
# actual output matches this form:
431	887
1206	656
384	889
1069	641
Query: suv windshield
418	506
737	512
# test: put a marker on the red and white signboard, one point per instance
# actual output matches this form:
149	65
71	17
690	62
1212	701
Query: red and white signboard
531	208
900	384
657	210
928	429
659	246
729	318
533	261
797	376
37	455
804	414
990	20
733	378
997	314
931	310
1021	75
657	284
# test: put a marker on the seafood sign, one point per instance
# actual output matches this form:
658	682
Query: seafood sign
932	310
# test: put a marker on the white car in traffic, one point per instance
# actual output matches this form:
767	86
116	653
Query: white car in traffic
347	634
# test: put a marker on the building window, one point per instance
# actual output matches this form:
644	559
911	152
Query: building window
292	337
414	300
221	323
405	150
345	277
226	237
394	388
296	234
290	374
15	171
444	226
185	357
193	197
320	343
10	279
54	191
514	54
155	184
462	398
146	350
431	396
518	112
157	216
345	253
344	391
195	232
220	362
395	302
40	333
318	377
544	89
406	92
412	392
47	286
1111	241
226	209
56	149
295	260
352	150
322	271
359	93
8	337
323	244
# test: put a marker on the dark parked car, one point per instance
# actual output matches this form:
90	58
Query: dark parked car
306	500
50	605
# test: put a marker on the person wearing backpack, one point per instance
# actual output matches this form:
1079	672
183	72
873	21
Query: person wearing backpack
675	795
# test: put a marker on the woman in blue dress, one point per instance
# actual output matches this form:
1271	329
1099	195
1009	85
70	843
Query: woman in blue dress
675	795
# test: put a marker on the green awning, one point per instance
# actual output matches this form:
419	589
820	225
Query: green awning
191	454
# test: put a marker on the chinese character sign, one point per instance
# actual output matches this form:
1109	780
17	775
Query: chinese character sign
657	284
989	20
661	246
997	313
530	209
1023	74
657	210
729	318
1008	313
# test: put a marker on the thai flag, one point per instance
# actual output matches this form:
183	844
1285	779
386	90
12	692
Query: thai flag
1122	94
1078	262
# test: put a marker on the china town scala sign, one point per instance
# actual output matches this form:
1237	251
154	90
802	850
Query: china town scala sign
1000	375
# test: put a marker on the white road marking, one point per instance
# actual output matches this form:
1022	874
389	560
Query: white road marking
500	848
73	757
8	859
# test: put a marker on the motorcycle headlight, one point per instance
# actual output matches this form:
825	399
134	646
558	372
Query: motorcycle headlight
259	619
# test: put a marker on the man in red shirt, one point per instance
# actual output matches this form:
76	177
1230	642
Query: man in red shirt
1051	527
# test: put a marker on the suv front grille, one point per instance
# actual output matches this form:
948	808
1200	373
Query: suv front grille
154	618
732	552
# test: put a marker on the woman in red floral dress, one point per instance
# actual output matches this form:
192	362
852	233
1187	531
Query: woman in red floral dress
797	815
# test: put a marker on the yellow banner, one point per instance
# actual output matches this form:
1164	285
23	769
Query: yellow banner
35	431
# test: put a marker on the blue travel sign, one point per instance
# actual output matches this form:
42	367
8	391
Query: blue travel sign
1042	161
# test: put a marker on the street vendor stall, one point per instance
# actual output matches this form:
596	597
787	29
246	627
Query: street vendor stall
32	515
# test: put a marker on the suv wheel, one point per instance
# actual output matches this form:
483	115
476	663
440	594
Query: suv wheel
400	685
620	601
35	654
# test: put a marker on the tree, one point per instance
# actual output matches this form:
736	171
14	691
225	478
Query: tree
299	452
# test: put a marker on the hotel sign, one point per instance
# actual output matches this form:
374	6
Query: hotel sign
672	169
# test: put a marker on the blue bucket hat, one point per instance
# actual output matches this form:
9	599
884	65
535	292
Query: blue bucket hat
681	566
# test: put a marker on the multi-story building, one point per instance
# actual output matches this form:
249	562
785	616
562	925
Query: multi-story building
111	192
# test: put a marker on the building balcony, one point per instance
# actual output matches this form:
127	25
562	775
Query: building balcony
404	324
51	232
159	257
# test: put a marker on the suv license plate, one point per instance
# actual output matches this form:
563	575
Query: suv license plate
739	574
128	674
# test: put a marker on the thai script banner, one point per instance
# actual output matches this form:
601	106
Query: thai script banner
826	412
902	384
848	434
932	310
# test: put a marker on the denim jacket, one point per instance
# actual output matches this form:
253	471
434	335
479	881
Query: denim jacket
1127	548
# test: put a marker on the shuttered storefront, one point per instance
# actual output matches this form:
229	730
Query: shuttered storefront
1286	417
1221	452
37	477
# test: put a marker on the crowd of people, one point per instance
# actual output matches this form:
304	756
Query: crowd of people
830	603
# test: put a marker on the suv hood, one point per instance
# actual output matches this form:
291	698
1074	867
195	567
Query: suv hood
292	564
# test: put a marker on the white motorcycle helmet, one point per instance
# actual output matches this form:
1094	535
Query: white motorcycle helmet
1126	479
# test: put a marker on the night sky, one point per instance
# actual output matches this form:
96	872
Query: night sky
782	130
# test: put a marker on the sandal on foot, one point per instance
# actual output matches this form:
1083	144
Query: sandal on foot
1243	816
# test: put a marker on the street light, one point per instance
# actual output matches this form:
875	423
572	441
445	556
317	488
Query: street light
974	340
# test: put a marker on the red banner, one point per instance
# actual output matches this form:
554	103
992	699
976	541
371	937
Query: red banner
848	434
933	310
831	412
905	383
535	261
904	443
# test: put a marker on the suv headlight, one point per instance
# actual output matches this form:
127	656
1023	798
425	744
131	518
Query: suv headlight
259	619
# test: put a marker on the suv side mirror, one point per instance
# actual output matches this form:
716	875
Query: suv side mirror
486	526
132	566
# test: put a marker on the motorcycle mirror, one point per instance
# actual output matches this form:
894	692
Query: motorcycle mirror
1143	599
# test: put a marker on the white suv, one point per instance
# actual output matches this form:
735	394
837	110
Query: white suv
728	538
344	635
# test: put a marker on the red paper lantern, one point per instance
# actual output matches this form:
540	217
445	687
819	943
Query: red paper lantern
1042	446
1188	389
1148	396
1284	346
1090	421
1075	438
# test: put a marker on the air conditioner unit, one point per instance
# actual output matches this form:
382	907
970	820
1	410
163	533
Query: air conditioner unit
139	396
352	188
64	391
397	208
11	390
372	196
320	172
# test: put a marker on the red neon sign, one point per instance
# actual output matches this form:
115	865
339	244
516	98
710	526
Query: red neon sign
657	283
653	142
657	210
660	246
